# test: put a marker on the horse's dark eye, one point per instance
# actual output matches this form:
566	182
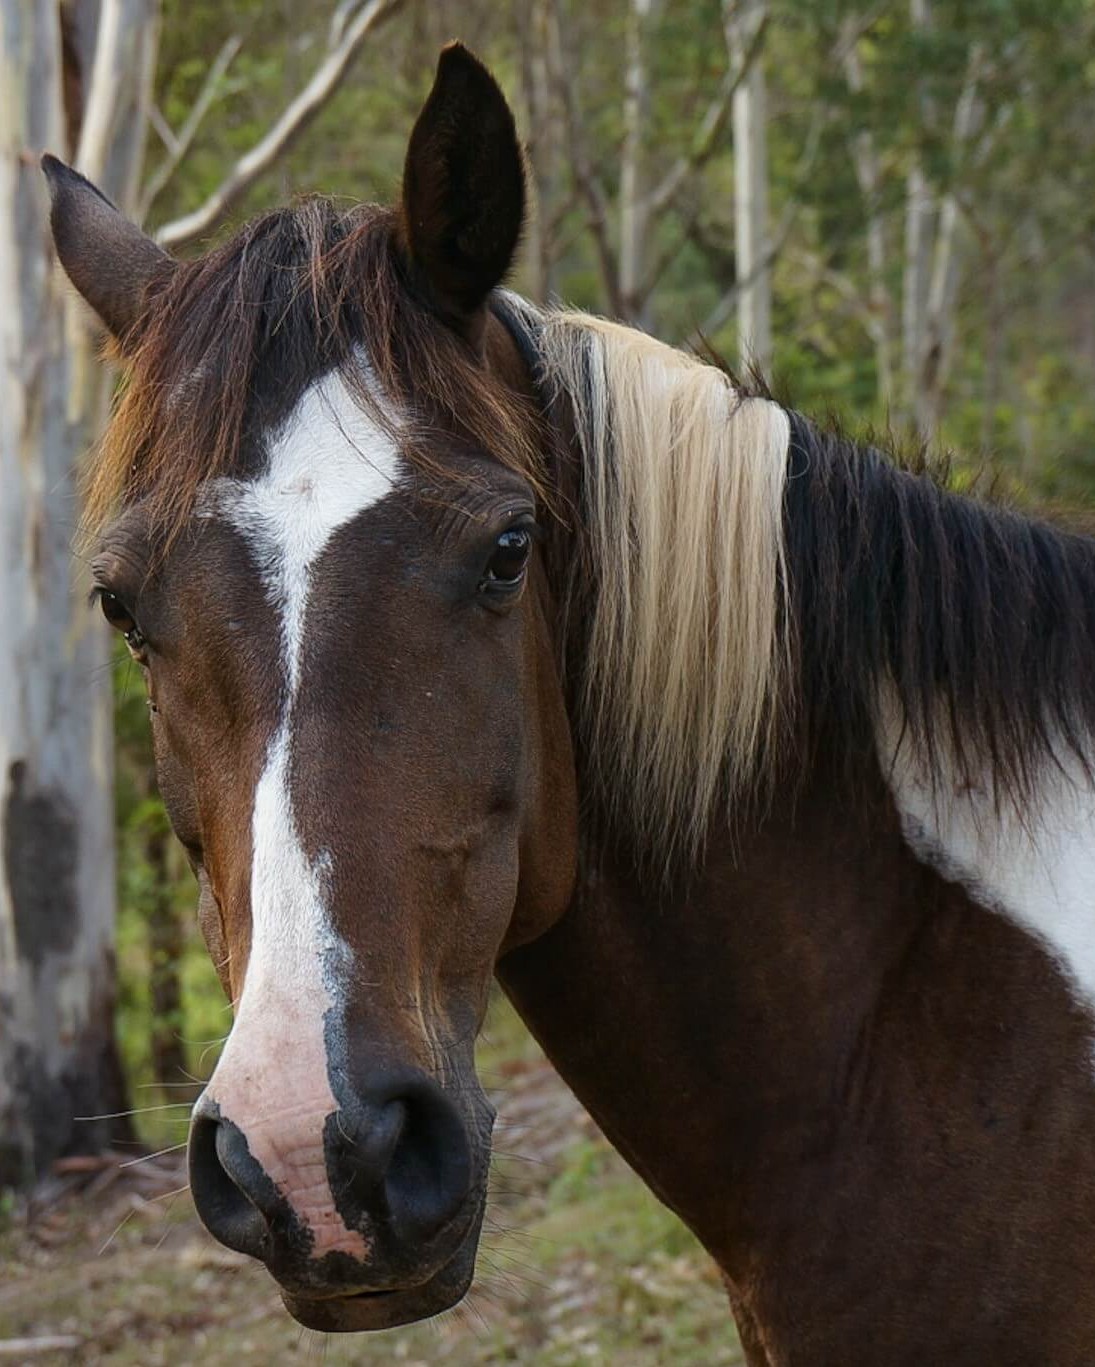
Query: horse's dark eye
510	557
120	617
115	611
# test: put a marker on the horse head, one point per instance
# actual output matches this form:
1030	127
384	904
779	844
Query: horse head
326	494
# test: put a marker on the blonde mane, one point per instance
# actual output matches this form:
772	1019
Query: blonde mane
686	654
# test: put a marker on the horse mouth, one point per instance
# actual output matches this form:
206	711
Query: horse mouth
355	1312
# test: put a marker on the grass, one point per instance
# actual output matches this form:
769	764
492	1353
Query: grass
579	1264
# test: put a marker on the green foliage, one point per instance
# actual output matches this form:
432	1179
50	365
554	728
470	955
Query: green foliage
143	892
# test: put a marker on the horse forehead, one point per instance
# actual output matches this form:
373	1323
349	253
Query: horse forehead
327	463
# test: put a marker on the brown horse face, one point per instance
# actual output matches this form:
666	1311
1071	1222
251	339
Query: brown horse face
360	746
361	741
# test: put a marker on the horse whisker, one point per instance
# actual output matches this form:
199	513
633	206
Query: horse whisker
137	1110
148	1157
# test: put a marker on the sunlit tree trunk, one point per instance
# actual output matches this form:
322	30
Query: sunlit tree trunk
76	79
752	247
919	212
57	1054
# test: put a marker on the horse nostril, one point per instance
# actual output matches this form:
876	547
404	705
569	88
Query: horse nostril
406	1151
224	1179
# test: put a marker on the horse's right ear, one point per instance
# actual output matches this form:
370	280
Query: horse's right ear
463	191
109	260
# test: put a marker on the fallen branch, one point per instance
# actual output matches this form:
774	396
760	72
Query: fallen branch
49	1343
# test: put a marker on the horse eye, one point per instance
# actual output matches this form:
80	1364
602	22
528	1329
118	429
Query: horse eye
509	558
116	612
120	617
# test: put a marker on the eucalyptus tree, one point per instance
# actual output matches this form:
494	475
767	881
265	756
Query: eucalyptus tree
77	79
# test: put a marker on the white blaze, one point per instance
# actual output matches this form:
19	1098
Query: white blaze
329	463
1037	869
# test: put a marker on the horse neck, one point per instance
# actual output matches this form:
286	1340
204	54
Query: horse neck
717	1028
694	1020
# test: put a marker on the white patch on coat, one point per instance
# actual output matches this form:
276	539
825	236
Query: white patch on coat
328	464
1036	868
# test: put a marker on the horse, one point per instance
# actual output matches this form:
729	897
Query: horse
490	639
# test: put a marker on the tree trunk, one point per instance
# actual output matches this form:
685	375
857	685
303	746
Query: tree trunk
57	983
534	31
994	348
868	175
57	1055
919	215
634	217
937	340
752	247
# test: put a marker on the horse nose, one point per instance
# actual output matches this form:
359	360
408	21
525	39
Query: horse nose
396	1155
399	1154
235	1199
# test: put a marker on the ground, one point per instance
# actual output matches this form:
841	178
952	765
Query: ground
579	1263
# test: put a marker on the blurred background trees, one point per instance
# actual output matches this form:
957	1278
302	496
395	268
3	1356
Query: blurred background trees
888	205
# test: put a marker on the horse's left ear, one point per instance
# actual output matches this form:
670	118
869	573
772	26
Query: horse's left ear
109	260
463	191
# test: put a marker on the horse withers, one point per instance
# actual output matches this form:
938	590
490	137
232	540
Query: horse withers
482	638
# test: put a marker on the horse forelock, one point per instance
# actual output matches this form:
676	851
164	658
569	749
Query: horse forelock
230	342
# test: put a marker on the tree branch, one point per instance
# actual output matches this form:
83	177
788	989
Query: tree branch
350	34
179	144
868	173
726	305
711	125
729	301
124	49
589	186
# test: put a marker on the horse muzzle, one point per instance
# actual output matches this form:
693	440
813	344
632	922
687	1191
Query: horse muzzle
367	1215
364	1310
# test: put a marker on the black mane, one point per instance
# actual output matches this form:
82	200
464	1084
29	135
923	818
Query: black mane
982	619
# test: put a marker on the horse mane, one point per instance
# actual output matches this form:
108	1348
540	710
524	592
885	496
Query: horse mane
228	342
977	621
755	587
684	639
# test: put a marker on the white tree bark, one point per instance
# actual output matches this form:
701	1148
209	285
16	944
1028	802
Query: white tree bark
57	1056
534	26
634	214
938	328
919	215
753	258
